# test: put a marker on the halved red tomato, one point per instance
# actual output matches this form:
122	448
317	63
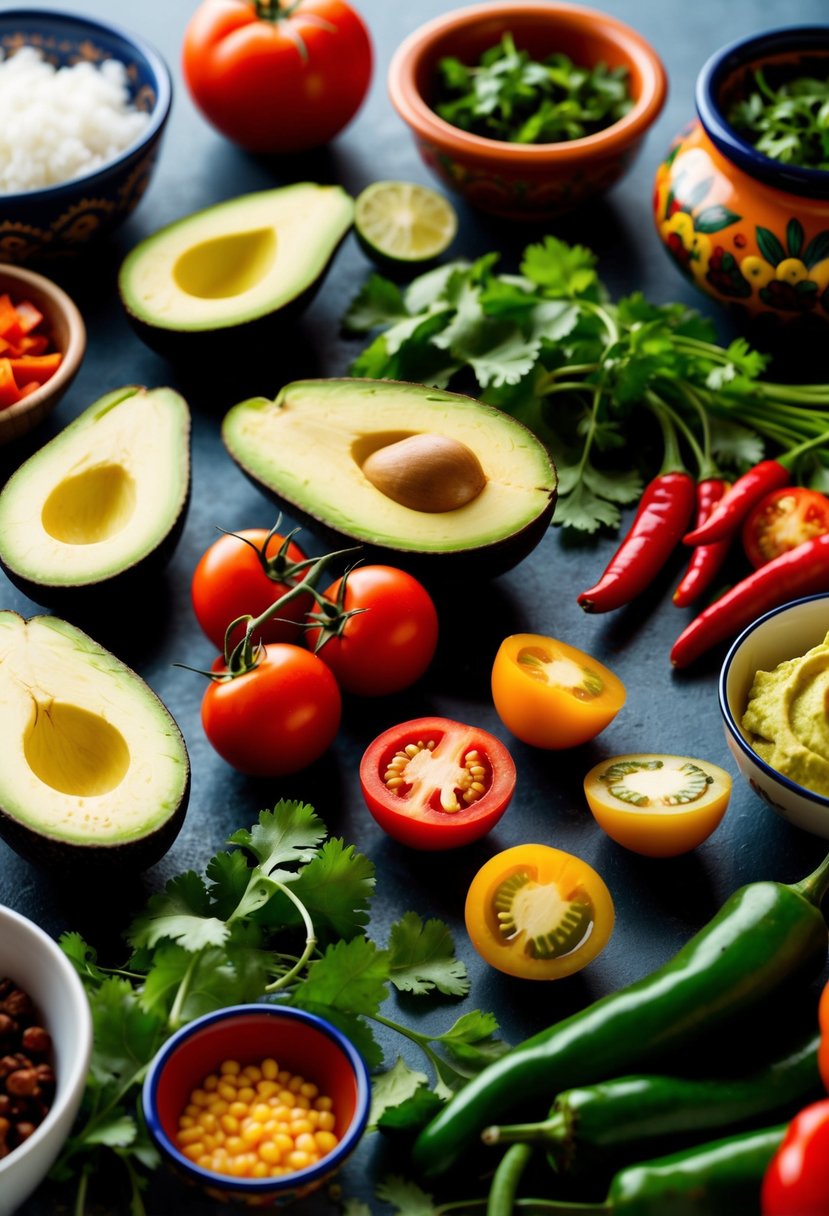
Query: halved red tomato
538	913
782	520
433	783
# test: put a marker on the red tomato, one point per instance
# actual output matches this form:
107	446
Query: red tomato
796	1182
435	784
277	77
390	640
277	718
230	581
782	520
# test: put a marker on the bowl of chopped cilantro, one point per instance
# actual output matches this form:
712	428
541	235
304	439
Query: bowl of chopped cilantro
742	198
524	107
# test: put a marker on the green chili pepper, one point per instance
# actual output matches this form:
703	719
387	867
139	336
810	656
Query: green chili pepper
636	1115
766	936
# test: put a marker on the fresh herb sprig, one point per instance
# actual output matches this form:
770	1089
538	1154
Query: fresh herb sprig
789	123
281	917
510	96
549	346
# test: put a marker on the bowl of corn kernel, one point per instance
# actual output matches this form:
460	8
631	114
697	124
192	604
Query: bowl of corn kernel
257	1104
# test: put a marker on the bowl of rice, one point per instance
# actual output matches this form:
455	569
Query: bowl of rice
84	106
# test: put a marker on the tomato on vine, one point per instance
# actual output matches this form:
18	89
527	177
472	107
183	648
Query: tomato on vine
377	630
783	520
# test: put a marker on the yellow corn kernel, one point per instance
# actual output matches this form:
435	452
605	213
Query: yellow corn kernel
299	1127
296	1083
230	1068
205	1161
284	1142
283	1076
207	1120
298	1161
260	1170
286	1097
260	1112
327	1121
238	1109
229	1124
245	1093
281	1113
193	1151
251	1073
266	1089
253	1134
237	1167
227	1091
270	1069
269	1152
234	1145
191	1110
323	1102
326	1141
190	1135
210	1083
218	1107
199	1097
186	1121
301	1102
309	1090
305	1143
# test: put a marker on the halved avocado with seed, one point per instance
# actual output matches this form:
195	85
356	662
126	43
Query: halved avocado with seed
95	770
422	476
103	501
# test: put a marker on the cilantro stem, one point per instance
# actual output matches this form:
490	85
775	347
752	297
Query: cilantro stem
605	317
174	1019
80	1194
310	941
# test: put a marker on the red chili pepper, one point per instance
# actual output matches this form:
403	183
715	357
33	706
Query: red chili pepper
800	571
733	507
796	1182
706	560
658	525
823	1049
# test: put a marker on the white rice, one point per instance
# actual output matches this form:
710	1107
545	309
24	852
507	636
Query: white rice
61	123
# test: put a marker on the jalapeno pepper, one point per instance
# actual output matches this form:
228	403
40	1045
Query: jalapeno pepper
765	937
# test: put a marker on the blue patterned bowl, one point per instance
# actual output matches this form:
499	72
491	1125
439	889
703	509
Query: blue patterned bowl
58	220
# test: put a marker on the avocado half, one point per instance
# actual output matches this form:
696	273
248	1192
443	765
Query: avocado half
310	448
95	770
101	503
220	275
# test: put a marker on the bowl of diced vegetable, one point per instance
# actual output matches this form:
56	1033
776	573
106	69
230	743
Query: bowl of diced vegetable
741	201
90	103
527	108
42	343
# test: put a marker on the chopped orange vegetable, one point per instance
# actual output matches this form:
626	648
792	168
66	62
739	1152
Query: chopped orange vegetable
26	361
35	367
9	391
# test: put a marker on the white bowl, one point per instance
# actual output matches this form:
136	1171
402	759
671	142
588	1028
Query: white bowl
784	633
38	965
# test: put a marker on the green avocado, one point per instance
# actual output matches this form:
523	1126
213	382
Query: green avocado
428	479
101	503
95	770
224	272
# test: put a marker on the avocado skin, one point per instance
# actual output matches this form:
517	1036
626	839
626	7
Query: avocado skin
49	853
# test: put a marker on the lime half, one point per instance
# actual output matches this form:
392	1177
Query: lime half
404	222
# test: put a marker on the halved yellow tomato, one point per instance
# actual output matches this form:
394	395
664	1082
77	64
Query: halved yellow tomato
550	694
538	913
657	805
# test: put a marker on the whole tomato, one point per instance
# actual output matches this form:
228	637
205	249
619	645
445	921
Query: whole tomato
383	630
276	718
277	77
796	1182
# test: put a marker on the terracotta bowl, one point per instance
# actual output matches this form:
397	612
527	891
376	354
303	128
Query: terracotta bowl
64	324
522	181
748	230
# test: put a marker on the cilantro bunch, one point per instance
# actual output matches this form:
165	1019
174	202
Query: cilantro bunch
510	96
590	377
282	917
789	123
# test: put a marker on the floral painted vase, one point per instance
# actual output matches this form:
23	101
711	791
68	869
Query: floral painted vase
748	230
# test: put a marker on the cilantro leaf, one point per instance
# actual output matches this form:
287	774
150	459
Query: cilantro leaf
336	887
378	302
82	957
288	835
125	1036
412	1114
117	1131
585	511
422	958
393	1087
351	976
182	913
406	1197
560	269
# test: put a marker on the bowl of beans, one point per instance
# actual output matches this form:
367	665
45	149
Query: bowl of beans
257	1104
45	1045
85	104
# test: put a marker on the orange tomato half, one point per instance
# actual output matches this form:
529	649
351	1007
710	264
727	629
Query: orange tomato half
538	913
551	695
657	805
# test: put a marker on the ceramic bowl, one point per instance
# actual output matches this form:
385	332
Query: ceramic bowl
525	181
63	219
37	965
746	229
64	324
300	1042
783	633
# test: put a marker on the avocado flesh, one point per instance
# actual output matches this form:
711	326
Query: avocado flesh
91	757
102	495
308	447
236	261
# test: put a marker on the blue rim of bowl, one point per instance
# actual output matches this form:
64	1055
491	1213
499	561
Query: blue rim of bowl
820	800
813	183
158	117
253	1186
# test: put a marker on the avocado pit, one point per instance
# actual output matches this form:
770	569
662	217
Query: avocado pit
426	472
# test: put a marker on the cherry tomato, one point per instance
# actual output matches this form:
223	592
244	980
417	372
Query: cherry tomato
823	1050
277	77
538	913
782	520
277	718
796	1182
551	695
435	784
230	582
660	806
389	641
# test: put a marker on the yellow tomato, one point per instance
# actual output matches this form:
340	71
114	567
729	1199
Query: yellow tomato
538	913
551	695
657	805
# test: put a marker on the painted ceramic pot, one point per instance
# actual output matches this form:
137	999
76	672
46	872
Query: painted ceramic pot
525	181
749	230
